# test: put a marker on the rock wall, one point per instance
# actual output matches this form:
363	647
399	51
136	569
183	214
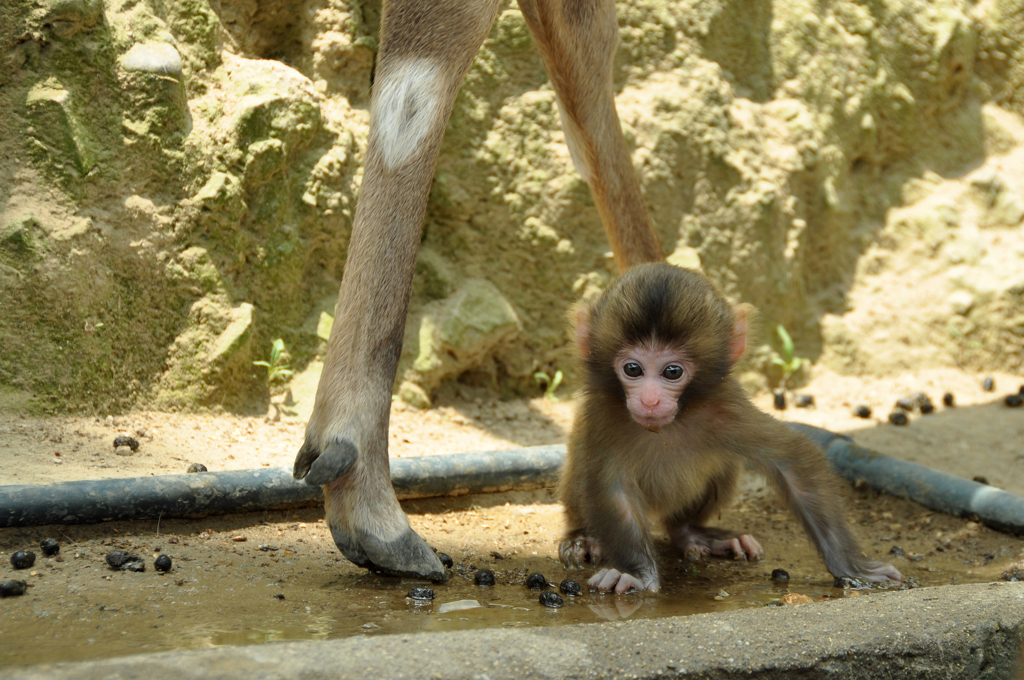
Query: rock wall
177	179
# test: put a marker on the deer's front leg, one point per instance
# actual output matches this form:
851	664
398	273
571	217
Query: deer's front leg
426	48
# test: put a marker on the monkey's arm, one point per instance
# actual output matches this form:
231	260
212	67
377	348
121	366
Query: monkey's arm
619	526
799	469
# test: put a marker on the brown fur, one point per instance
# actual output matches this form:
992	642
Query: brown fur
345	448
619	475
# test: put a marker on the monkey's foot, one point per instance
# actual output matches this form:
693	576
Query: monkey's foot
574	552
698	543
615	581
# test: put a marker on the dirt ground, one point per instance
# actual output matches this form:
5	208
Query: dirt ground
277	575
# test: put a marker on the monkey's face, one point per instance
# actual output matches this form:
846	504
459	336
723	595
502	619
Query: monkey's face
653	378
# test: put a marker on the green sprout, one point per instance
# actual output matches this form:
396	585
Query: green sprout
788	362
276	368
548	383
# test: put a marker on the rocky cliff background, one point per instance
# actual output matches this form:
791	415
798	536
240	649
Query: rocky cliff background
178	180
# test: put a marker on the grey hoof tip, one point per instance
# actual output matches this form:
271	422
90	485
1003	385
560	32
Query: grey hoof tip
334	463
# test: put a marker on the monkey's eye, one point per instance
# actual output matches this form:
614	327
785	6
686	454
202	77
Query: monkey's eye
633	370
673	372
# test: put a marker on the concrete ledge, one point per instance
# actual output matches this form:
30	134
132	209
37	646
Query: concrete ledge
971	631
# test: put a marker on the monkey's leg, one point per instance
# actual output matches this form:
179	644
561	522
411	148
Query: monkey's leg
697	542
426	47
577	40
577	549
798	469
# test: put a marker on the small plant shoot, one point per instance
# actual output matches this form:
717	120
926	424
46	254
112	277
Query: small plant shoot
277	368
788	362
548	383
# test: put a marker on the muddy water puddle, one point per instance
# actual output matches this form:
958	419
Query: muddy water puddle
251	579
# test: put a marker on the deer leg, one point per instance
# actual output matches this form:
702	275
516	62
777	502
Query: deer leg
426	47
577	41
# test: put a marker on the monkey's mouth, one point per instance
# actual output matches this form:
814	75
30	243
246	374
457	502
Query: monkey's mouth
653	423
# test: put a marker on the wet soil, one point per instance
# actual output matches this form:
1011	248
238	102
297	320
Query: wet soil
274	576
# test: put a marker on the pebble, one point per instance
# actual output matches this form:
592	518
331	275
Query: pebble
550	598
136	566
847	582
50	547
447	561
12	588
897	551
131	442
536	581
162	563
196	467
1015	572
119	559
898	418
780	575
862	411
1013	400
796	598
484	577
804	400
906	404
421	594
981	480
23	559
780	400
570	587
988	384
947	399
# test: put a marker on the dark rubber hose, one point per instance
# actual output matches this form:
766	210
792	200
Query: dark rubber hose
207	493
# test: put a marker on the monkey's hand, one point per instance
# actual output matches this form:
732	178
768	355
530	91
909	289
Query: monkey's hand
575	551
614	581
878	572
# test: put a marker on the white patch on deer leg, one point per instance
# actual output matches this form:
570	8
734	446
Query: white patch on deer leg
405	109
574	140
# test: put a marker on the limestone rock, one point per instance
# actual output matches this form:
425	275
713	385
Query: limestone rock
462	331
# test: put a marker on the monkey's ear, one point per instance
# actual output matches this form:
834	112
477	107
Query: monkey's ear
740	327
579	320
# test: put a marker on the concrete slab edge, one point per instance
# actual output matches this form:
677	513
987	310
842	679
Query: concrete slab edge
970	631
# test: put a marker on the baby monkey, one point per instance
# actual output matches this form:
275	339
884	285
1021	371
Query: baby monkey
662	430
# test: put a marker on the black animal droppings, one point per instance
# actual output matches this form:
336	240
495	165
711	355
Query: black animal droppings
780	400
570	587
278	596
981	480
947	399
1021	390
776	603
862	411
50	547
780	575
898	418
804	400
1014	400
447	561
550	598
536	581
988	384
484	577
131	442
421	594
897	551
926	405
196	467
119	559
12	588
162	564
906	403
23	559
